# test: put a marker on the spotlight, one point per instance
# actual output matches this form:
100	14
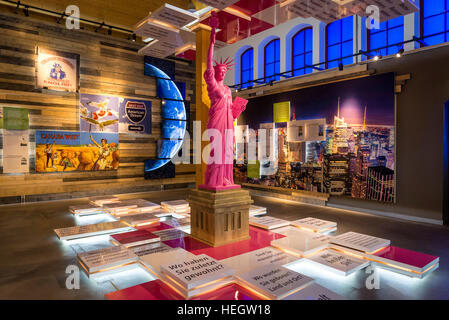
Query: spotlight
60	18
17	8
110	31
271	83
377	57
400	53
99	27
25	11
340	66
134	37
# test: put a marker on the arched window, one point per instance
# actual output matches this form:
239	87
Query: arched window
435	21
339	43
389	33
302	47
247	67
272	60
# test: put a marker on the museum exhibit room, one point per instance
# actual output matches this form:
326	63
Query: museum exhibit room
224	150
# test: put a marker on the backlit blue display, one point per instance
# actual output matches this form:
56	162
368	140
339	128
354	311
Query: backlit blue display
391	32
247	67
340	37
272	60
302	47
435	21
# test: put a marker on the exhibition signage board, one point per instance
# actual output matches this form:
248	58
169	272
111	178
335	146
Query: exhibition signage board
135	116
90	230
62	151
153	261
174	16
150	248
219	4
99	113
170	234
300	243
315	292
337	262
86	210
102	200
57	70
140	219
253	169
268	222
193	276
262	257
120	207
96	261
360	242
15	151
315	225
274	282
15	118
134	238
281	112
176	206
182	224
257	211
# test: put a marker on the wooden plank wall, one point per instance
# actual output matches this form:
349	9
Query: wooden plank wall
108	66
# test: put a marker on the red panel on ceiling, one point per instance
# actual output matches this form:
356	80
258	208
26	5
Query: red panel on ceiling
234	28
251	7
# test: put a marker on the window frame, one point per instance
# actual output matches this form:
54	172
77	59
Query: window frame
341	40
386	31
249	84
421	23
303	53
276	77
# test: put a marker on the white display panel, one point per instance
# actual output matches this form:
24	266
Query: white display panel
257	211
361	242
140	219
315	225
300	243
174	16
268	222
255	259
274	282
86	210
102	259
15	151
153	261
219	4
150	248
193	276
337	262
102	200
315	292
170	234
90	230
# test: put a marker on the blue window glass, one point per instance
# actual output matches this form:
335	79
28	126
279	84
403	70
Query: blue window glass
389	35
247	68
272	59
435	21
302	44
340	37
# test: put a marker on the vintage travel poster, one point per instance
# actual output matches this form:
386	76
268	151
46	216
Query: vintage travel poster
15	151
99	113
135	116
57	70
62	151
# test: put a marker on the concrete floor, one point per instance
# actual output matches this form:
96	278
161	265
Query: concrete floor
33	261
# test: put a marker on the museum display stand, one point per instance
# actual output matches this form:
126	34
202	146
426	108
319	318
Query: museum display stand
219	217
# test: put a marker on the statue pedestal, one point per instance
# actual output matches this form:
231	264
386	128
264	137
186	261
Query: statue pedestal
219	217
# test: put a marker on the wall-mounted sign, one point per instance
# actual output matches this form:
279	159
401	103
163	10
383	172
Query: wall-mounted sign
15	151
15	118
99	113
281	112
135	116
58	151
57	70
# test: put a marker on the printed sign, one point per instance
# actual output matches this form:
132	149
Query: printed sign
98	113
281	112
135	116
57	70
15	118
15	151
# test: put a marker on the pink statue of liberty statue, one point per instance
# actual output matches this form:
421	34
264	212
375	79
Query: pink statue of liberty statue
222	113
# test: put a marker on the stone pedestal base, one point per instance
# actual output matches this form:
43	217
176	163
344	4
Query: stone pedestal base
219	217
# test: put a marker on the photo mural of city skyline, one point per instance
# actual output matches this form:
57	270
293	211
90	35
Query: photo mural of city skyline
357	156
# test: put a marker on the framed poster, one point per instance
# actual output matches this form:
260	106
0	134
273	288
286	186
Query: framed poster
56	70
15	118
135	116
15	151
99	113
